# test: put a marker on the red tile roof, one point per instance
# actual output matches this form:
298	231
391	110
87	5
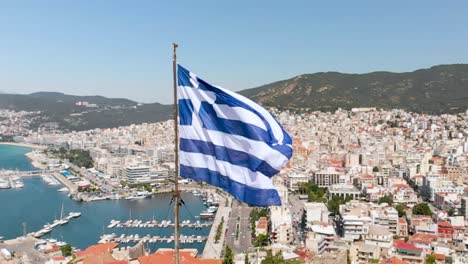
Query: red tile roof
166	256
423	238
401	244
98	249
444	224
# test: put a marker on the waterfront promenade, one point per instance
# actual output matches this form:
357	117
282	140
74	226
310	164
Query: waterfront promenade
212	249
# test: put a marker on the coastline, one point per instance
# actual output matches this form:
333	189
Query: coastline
33	146
35	160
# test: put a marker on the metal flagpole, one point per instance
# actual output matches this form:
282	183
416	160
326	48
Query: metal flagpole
176	149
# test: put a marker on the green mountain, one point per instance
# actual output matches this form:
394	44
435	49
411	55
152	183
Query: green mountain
440	89
58	110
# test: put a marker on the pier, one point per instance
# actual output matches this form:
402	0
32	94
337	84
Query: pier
149	239
48	227
155	224
15	173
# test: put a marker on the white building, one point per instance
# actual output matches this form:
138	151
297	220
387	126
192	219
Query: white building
316	212
137	174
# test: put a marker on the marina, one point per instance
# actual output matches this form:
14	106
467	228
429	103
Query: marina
45	202
150	239
156	224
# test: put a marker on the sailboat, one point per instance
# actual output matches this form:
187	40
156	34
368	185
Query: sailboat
62	220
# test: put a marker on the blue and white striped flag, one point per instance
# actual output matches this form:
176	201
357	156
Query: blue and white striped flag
229	141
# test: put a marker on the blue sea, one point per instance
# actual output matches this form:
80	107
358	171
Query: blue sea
37	204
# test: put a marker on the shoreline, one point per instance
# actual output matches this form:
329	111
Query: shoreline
34	159
33	146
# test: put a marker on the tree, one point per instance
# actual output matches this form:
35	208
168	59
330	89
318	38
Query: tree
246	259
273	259
334	204
430	259
66	250
451	212
386	199
261	240
401	210
375	169
228	256
277	259
422	209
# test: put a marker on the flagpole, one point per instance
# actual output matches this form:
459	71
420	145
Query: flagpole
176	149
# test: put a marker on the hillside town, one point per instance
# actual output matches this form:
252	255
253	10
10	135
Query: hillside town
363	186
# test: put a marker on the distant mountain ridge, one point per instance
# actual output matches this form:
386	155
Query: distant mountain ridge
60	110
439	89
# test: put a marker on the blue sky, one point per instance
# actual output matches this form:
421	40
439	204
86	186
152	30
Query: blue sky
123	48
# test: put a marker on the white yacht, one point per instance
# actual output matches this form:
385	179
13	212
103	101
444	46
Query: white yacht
75	214
139	195
4	184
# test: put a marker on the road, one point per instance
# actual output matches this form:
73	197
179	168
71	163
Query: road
296	208
238	236
24	246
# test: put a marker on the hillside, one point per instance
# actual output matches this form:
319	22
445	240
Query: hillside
58	110
440	89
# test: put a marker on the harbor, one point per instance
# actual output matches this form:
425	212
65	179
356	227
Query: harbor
44	205
150	239
46	194
156	224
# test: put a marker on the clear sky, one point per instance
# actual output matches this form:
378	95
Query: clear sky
123	48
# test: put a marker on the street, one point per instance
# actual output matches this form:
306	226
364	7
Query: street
238	236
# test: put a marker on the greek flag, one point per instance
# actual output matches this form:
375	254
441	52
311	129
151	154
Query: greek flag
229	141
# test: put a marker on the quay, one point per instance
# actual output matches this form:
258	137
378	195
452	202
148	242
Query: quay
13	173
149	239
155	224
212	249
70	185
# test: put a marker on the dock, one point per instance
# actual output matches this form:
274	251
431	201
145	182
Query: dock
70	185
149	239
49	227
156	224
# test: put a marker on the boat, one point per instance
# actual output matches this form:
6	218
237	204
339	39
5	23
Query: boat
113	223
74	214
206	215
51	181
64	189
212	209
139	195
18	184
4	184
